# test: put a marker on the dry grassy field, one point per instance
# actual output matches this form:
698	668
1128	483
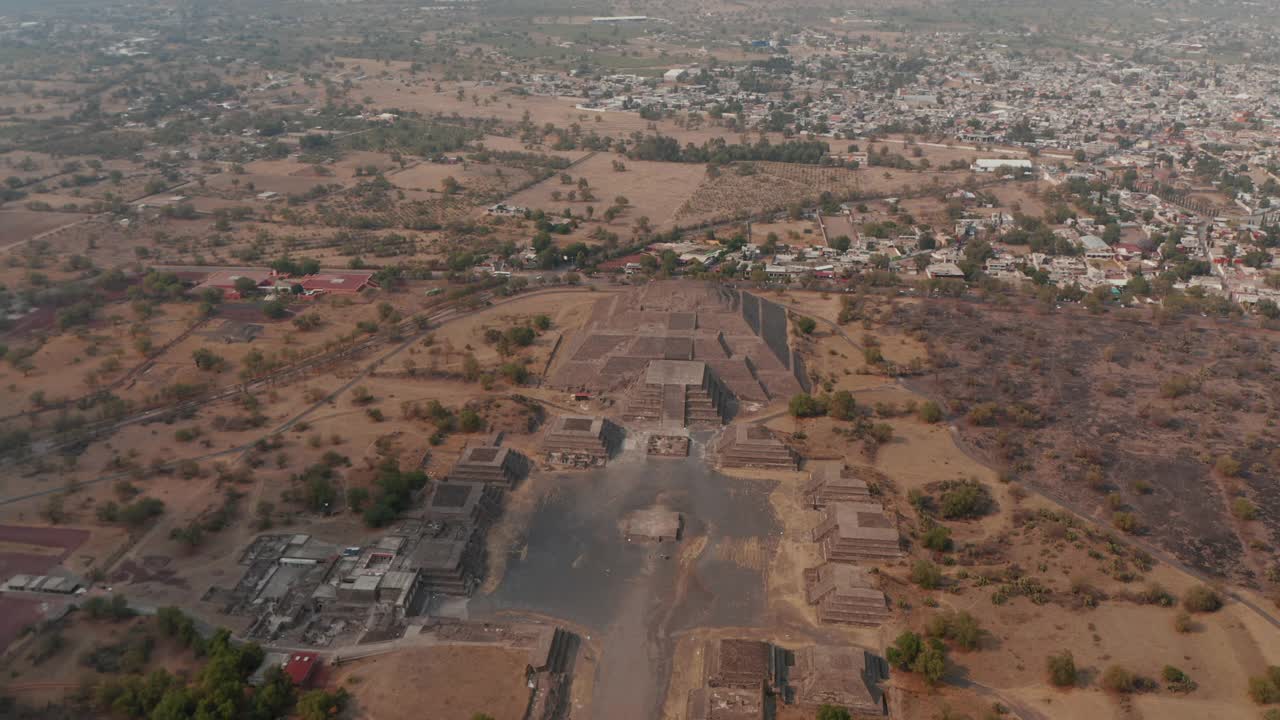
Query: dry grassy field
455	682
654	189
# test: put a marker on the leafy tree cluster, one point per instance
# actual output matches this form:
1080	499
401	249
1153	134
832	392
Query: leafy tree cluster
134	514
219	690
912	653
101	607
718	152
129	655
960	628
414	137
964	499
394	492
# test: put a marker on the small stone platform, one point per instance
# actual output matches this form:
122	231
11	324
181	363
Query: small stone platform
653	525
667	446
754	446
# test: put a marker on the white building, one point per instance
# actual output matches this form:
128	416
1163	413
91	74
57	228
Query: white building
994	164
675	75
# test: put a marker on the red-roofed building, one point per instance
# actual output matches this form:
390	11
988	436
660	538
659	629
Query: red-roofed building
301	668
338	283
225	280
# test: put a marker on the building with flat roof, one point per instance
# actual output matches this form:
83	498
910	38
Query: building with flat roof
994	164
338	283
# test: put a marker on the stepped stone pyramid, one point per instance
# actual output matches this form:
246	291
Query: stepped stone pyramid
488	464
845	594
840	675
450	557
755	446
576	440
853	531
676	394
830	482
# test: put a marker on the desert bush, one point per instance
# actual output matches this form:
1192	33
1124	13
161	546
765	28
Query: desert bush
1176	680
1227	466
1062	669
937	538
1182	622
926	575
960	628
930	412
1244	509
1125	521
1118	679
1265	689
1155	594
1202	598
983	414
1178	386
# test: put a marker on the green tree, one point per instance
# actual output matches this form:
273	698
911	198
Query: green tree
322	704
832	712
275	309
931	662
469	421
207	359
926	574
842	406
356	498
904	650
805	405
246	286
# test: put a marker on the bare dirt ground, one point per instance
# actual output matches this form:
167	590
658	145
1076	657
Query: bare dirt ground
19	225
654	189
455	682
763	186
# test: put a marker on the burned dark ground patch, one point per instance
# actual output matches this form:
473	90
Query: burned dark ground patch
1115	413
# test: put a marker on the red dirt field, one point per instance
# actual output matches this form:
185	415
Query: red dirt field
15	614
12	563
